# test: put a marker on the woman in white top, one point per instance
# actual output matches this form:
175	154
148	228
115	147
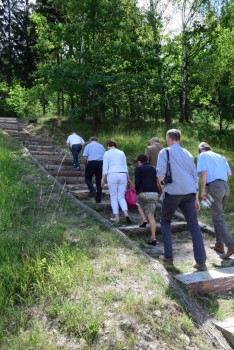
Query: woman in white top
115	172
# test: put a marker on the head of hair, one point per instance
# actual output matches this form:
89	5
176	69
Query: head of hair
142	158
174	134
111	143
203	147
93	138
154	140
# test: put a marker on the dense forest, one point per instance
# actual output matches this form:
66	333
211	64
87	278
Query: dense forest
113	60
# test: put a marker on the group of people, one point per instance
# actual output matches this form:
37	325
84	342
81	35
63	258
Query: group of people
178	189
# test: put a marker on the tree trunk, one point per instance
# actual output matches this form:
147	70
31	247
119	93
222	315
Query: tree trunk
62	103
9	70
58	104
167	105
132	107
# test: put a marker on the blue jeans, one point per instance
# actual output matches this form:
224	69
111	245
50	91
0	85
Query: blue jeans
75	151
187	205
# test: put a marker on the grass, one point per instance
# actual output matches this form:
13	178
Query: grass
65	280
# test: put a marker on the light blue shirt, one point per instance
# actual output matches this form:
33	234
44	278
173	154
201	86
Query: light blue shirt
183	170
94	151
214	164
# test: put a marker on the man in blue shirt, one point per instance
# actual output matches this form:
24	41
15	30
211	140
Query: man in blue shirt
93	158
182	193
214	171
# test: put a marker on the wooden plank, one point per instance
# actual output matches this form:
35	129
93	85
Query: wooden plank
54	159
227	328
135	229
212	281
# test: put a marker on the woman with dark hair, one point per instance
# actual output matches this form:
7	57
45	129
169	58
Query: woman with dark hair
115	172
147	194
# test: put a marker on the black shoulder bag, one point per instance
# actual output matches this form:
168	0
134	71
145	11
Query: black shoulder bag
167	179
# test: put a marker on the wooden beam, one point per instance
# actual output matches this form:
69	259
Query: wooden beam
212	281
135	229
227	328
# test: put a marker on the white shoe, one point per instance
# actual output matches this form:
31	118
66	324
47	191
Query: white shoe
114	220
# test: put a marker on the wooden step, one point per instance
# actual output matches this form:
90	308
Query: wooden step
71	180
212	281
67	173
43	153
40	147
135	229
8	120
62	167
54	159
227	328
10	126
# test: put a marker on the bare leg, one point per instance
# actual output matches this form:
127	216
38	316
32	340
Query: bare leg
142	214
152	226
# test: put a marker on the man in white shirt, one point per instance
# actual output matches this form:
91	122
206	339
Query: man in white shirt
74	144
214	170
93	157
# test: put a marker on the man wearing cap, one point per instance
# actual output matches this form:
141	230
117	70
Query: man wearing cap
93	157
153	150
214	170
74	144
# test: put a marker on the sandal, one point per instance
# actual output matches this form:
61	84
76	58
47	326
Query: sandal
144	224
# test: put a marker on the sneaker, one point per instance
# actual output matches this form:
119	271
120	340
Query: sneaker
217	248
230	252
200	267
114	220
78	168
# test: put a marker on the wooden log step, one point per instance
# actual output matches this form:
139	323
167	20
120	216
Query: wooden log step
212	281
62	167
54	159
39	146
35	143
227	328
43	153
135	229
99	207
75	187
8	120
68	173
83	193
71	180
10	126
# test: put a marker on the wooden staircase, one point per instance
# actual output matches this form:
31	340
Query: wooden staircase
59	164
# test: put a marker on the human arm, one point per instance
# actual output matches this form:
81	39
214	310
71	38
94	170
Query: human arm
103	180
203	184
161	167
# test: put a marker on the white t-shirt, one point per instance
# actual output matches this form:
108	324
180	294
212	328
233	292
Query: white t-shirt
74	139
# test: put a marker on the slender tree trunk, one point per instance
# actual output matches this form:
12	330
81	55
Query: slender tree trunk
9	70
132	107
43	100
58	104
116	112
167	105
184	97
62	103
